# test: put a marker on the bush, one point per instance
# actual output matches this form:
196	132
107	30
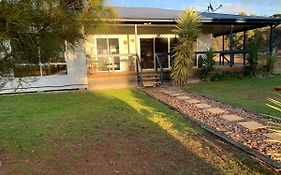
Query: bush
225	76
207	64
252	68
270	63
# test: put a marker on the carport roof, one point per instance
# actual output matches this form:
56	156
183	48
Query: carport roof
139	15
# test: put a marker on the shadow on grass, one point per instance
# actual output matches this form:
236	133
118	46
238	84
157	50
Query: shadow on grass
71	126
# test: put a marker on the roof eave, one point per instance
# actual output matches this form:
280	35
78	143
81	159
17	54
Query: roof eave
206	21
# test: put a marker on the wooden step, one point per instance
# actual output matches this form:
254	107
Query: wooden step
151	79
151	84
150	75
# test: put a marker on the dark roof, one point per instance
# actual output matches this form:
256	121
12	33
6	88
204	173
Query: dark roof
140	14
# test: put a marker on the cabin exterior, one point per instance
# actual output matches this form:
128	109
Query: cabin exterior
136	51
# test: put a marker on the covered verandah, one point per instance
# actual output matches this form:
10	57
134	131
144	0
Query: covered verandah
136	24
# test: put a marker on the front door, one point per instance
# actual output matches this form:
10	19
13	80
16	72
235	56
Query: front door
149	47
147	53
161	46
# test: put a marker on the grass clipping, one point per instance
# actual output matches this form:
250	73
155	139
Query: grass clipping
188	32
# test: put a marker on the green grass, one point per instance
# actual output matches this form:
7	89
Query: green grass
249	93
99	133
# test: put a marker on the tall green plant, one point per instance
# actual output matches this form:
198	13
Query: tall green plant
188	32
208	64
253	55
271	60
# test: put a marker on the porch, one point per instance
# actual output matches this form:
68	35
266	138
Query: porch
140	47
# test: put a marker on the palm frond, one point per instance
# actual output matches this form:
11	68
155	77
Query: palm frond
188	31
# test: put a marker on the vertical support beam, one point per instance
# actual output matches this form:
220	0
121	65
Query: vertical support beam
138	59
244	46
222	61
223	38
231	46
136	47
271	40
136	39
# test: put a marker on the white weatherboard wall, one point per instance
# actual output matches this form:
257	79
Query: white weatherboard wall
76	77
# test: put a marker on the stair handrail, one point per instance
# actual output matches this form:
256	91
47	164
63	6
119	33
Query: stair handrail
158	62
139	70
225	58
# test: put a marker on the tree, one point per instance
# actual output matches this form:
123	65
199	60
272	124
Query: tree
34	31
188	31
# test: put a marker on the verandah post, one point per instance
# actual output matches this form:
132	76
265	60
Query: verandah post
222	50
244	47
271	40
231	46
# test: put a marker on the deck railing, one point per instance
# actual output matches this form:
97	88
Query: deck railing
139	70
92	62
159	65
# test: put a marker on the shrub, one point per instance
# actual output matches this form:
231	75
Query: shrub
252	68
188	32
207	64
225	76
270	63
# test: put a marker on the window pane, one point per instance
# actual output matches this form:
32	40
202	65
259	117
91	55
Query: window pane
51	49
113	46
27	71
104	64
102	46
25	49
147	60
173	45
116	63
114	49
52	69
161	46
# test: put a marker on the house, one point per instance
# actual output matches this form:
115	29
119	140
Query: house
136	50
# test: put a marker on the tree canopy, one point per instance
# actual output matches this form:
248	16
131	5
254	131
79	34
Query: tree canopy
34	31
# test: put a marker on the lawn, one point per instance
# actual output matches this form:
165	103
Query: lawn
108	132
248	93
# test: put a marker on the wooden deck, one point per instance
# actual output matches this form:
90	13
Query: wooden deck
115	80
112	80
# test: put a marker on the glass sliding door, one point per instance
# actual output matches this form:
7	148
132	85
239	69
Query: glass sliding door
161	46
102	60
173	45
114	49
147	53
106	47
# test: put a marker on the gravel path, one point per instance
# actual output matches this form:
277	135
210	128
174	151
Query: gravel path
215	114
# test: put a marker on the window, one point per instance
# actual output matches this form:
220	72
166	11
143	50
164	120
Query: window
108	54
52	56
48	60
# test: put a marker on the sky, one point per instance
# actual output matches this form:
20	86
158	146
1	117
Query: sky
257	7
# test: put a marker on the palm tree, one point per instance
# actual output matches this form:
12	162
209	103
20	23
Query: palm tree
188	32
